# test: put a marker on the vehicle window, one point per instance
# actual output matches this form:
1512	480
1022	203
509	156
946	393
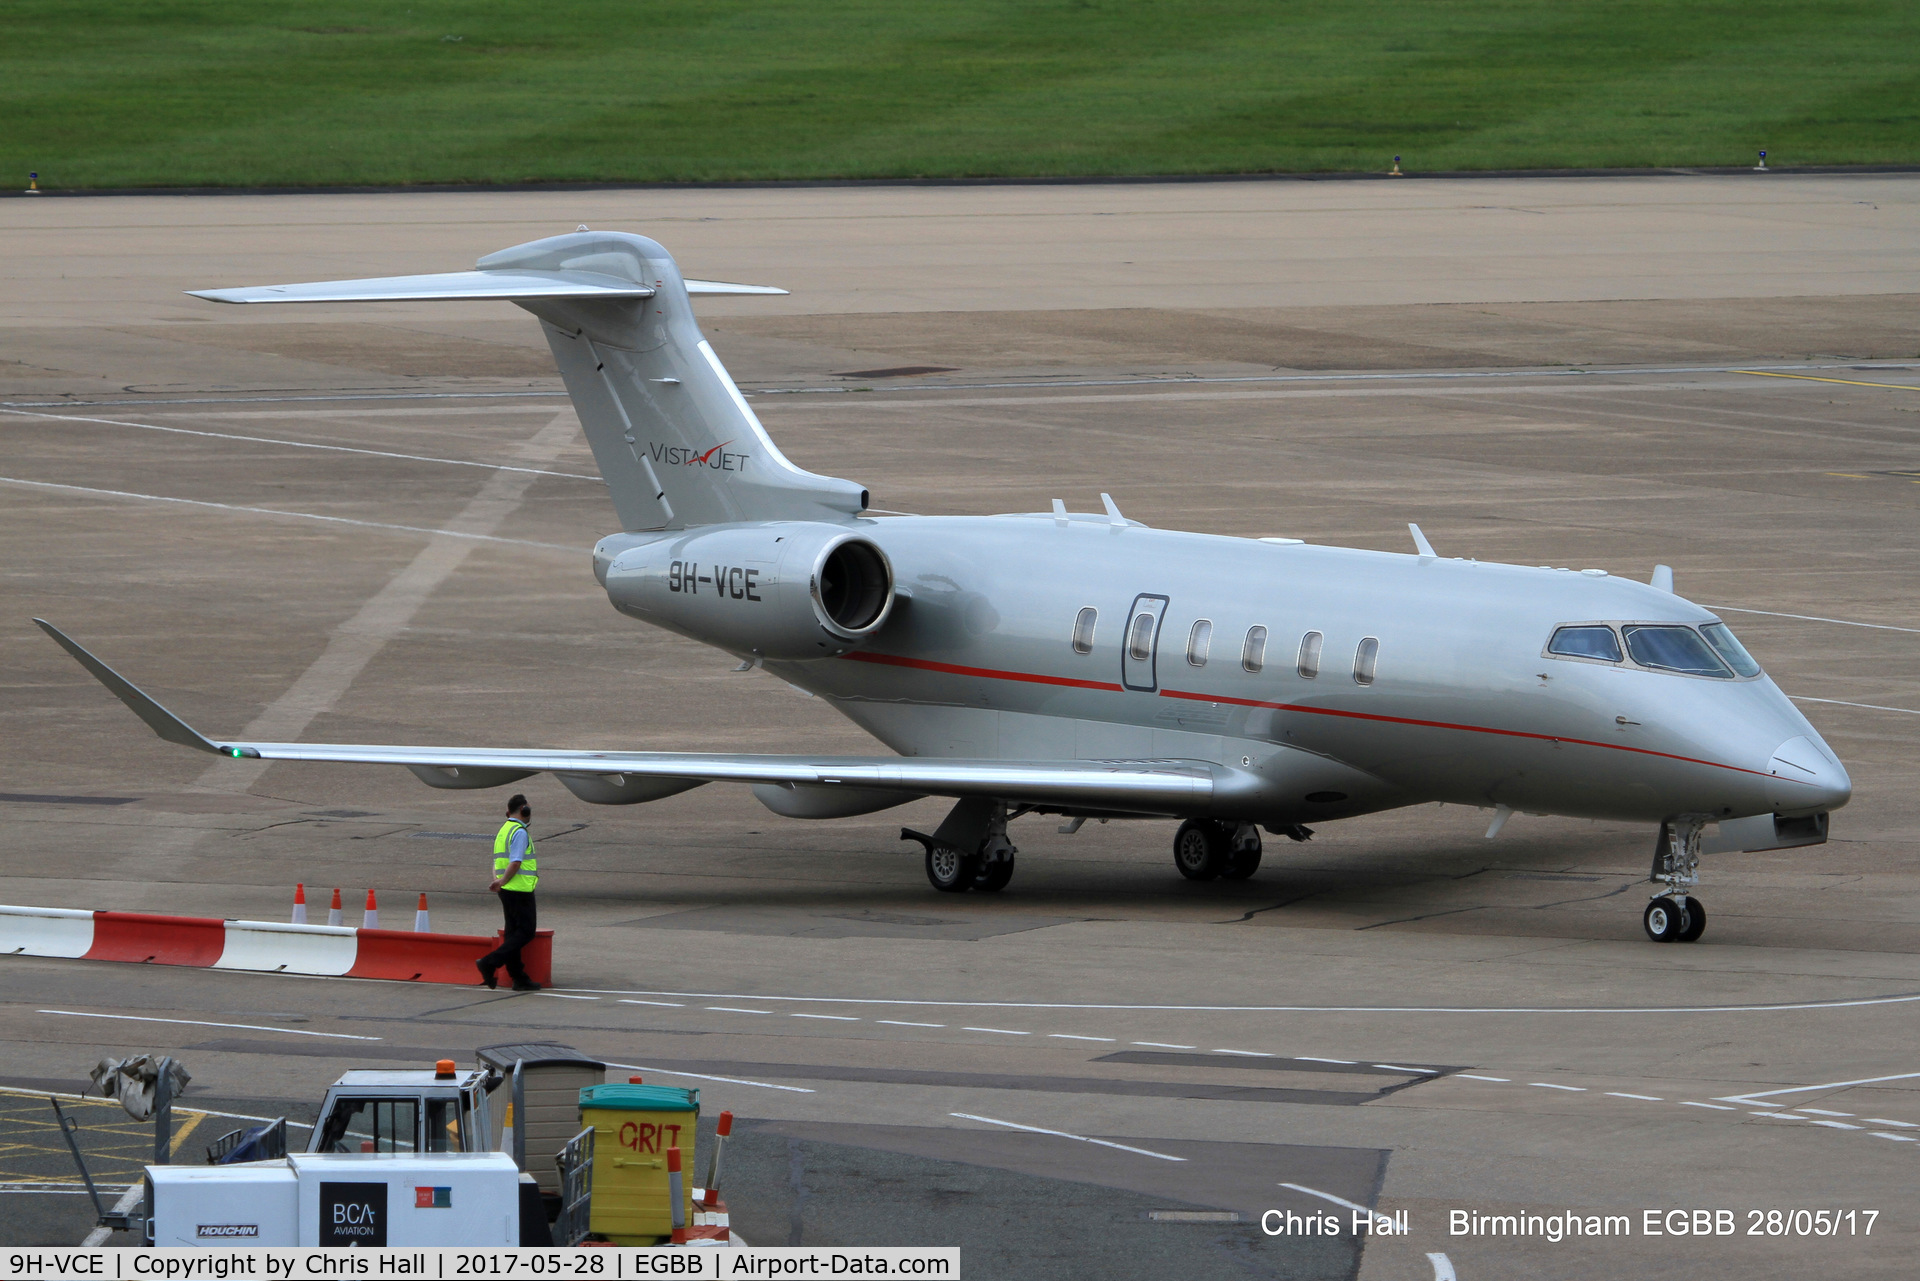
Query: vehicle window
1309	663
1199	640
1140	636
1674	649
1365	659
370	1125
1253	655
1585	642
1083	630
1720	636
443	1125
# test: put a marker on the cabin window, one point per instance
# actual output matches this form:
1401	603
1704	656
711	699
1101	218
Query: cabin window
1253	655
1140	635
1083	630
1365	659
1199	641
1721	638
1591	641
1674	649
1309	664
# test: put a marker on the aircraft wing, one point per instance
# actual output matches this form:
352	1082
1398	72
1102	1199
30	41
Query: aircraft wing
459	286
1143	786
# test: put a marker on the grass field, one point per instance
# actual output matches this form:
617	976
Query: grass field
98	93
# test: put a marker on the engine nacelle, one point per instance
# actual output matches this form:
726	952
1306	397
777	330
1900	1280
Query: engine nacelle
783	590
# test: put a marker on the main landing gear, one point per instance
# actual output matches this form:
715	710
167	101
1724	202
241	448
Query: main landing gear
1675	915
970	850
1205	848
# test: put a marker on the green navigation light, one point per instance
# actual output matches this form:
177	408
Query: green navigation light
237	753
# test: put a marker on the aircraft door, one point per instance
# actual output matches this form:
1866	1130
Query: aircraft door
1141	642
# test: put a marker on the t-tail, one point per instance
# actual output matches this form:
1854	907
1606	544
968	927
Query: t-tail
676	441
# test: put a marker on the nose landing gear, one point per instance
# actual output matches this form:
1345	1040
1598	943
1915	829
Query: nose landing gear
1675	915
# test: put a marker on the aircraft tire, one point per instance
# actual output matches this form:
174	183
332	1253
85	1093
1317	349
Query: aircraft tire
1200	849
950	871
1664	919
1241	864
993	877
1696	923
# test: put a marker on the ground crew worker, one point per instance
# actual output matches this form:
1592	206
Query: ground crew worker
515	873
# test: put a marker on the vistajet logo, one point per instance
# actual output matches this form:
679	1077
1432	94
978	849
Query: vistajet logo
715	459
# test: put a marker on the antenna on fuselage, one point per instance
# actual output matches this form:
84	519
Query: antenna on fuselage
1663	578
1114	517
1420	542
1501	813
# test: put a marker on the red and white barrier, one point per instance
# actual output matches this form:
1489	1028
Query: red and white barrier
258	946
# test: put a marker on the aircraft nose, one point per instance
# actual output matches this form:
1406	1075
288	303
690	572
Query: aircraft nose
1805	778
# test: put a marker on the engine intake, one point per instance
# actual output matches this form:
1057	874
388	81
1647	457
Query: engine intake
782	590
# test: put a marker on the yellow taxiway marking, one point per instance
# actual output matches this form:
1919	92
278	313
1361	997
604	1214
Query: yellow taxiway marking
1850	382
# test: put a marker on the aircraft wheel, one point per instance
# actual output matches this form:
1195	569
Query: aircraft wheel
1665	919
993	877
1696	922
1200	849
950	871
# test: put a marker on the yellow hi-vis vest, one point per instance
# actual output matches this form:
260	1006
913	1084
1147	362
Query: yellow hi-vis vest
528	877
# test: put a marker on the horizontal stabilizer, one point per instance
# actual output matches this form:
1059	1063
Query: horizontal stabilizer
468	286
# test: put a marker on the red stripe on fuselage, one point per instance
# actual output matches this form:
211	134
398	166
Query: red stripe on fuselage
991	673
1468	729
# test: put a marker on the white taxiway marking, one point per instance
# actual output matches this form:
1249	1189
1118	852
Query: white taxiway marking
250	1027
1822	1112
1391	1068
1337	1200
1815	618
841	1018
734	1009
676	1005
695	1076
301	444
1062	1134
1475	1076
1309	1058
1841	702
1852	1003
1834	1125
1717	1107
271	511
1068	1036
1549	1085
1644	1098
1164	1045
1003	1031
1756	1096
1780	1116
1897	1138
1442	1267
1251	1054
563	996
898	1023
1881	1120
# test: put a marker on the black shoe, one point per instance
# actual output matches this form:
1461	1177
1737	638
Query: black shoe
528	986
486	975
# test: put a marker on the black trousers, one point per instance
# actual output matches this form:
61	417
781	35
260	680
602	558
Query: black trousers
517	906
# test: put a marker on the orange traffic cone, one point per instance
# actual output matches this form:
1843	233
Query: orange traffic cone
372	919
300	904
420	922
333	913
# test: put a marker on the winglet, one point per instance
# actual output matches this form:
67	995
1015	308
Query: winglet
159	719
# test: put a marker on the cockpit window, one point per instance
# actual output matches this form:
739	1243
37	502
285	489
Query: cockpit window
1586	642
1674	649
1720	636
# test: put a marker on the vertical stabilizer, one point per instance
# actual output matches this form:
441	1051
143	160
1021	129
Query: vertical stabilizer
674	438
